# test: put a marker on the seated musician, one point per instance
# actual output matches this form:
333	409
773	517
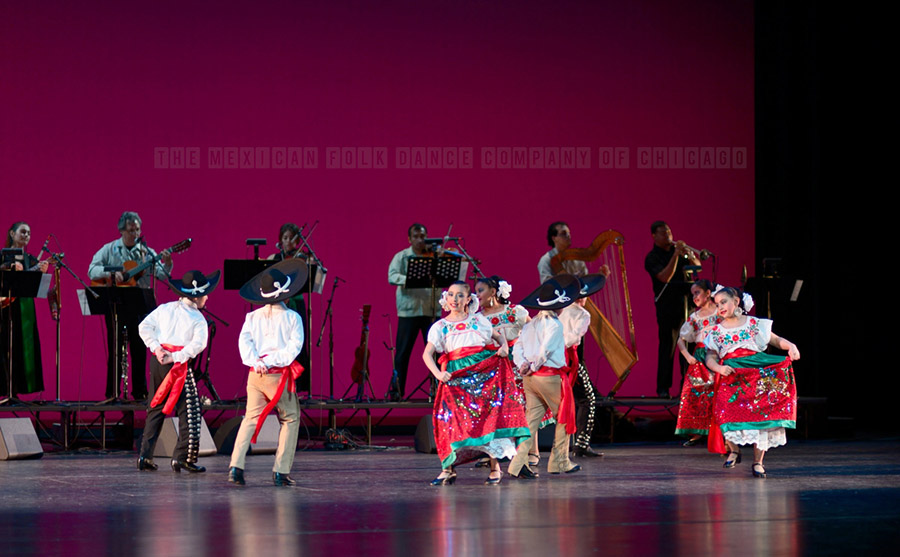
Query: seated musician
128	251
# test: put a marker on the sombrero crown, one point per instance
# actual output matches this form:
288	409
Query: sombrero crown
277	283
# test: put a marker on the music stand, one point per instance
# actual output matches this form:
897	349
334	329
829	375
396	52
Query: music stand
19	284
434	273
109	300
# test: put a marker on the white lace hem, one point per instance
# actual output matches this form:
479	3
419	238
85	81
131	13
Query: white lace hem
764	439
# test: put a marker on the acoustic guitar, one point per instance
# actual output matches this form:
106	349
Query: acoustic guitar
132	270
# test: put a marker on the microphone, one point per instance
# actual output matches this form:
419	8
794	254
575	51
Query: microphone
44	247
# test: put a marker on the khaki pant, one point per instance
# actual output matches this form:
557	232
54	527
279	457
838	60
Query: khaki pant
260	390
543	392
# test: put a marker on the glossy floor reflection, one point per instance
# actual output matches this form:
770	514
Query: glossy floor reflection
824	498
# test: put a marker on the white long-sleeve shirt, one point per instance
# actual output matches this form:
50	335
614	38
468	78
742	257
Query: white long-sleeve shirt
541	343
178	323
274	332
576	320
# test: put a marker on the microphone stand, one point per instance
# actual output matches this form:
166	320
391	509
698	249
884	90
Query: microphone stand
469	258
329	319
204	375
59	263
312	258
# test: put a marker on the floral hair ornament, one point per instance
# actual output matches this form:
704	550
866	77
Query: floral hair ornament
747	300
445	300
504	289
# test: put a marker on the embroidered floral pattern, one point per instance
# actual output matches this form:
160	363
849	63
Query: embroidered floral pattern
726	338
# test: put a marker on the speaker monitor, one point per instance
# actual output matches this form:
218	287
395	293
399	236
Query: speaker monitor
266	442
425	436
18	439
168	438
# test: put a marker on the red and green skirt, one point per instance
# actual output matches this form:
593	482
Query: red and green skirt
479	410
761	394
697	394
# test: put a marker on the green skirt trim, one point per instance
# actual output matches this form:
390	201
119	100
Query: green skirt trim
738	426
461	363
517	434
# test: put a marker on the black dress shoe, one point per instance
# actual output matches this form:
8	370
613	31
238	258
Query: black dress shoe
236	476
280	479
445	480
731	462
146	464
587	451
179	465
524	474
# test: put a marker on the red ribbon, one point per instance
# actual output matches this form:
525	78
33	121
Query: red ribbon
291	372
458	354
739	353
565	414
172	385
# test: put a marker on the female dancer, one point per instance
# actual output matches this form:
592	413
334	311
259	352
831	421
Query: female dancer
477	408
698	390
507	319
757	396
28	376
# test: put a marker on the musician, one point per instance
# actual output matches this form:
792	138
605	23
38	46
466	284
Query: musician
176	332
415	312
289	247
130	247
28	376
559	238
665	263
269	343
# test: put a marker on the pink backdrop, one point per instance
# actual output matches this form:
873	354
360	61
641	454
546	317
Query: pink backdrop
91	91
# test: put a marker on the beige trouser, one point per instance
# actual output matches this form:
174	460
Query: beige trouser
543	392
260	390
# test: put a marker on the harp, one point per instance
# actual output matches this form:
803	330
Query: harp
612	325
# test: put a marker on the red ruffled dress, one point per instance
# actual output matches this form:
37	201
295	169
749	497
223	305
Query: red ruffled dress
480	410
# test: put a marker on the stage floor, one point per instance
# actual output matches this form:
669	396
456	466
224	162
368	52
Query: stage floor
821	498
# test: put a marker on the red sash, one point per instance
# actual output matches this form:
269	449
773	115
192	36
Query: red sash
739	353
565	414
289	374
172	385
458	354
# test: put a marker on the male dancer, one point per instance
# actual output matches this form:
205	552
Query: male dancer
176	332
559	238
270	340
576	320
540	355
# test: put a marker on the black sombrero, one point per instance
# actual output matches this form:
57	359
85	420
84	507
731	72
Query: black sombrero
277	283
591	284
556	293
195	284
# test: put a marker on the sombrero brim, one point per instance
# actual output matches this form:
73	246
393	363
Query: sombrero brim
591	284
556	293
212	281
294	269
